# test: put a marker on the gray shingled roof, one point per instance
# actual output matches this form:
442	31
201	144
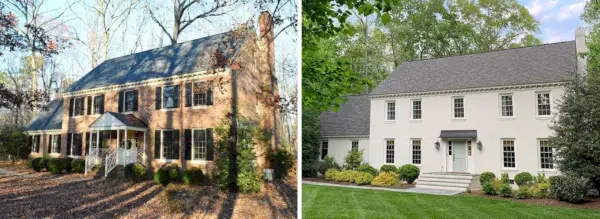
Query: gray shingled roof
47	119
352	118
129	120
528	65
187	57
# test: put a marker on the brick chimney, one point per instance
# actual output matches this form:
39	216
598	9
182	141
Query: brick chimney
267	45
265	23
580	47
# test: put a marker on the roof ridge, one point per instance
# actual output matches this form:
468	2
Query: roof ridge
483	52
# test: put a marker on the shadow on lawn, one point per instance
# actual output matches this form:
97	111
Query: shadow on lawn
52	197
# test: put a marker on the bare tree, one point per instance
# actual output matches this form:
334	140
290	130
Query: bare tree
186	12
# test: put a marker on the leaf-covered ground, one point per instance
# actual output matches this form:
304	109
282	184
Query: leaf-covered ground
41	195
334	202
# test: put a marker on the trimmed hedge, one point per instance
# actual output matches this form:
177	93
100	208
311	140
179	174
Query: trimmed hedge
193	176
78	165
134	172
161	176
386	179
573	189
388	168
331	174
505	190
409	173
37	164
367	169
523	179
56	165
174	172
523	192
363	178
67	162
486	177
328	163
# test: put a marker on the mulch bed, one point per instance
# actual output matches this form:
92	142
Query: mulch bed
322	180
594	204
42	194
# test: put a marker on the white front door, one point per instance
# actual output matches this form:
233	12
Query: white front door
459	156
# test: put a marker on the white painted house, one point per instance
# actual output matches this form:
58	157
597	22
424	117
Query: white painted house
464	114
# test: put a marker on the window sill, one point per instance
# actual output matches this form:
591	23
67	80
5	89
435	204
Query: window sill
129	112
200	107
75	117
167	109
75	157
199	161
509	169
543	117
54	154
418	165
389	121
415	121
547	171
458	119
507	118
166	160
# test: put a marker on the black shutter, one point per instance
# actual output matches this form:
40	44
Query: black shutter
121	98
135	101
210	149
157	144
101	103
37	146
188	144
188	94
59	145
176	142
177	96
49	140
89	105
158	97
71	102
210	94
69	139
87	142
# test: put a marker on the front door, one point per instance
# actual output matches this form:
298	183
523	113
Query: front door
459	156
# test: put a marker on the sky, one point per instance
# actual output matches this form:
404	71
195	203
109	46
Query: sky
558	18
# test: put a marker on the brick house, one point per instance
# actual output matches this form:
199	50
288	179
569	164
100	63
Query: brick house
160	106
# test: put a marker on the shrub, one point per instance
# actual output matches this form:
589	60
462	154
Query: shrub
331	174
488	188
541	178
67	163
56	165
388	168
523	179
523	192
409	173
310	168
30	162
353	159
328	163
505	190
504	178
570	188
386	179
363	178
44	163
36	164
161	177
540	190
173	171
348	176
78	165
365	167
135	172
193	176
486	177
248	182
283	161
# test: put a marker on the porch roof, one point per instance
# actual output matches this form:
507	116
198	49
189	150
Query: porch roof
458	134
118	121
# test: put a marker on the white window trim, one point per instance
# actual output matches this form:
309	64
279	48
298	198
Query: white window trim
412	110
539	156
511	169
321	149
34	144
387	110
536	104
52	145
71	146
464	108
192	146
385	150
73	107
125	102
203	106
93	110
411	151
500	106
357	144
162	158
162	96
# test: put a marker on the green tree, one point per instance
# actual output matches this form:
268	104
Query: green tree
14	142
353	159
591	16
311	139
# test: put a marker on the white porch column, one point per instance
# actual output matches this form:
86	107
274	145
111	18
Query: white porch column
118	138
125	136
89	139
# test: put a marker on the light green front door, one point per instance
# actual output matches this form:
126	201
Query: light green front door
459	156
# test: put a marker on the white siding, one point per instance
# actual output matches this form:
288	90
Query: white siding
482	113
339	147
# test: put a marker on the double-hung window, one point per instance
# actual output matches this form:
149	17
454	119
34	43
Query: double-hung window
508	148
389	151
416	109
543	103
199	144
170	144
416	151
77	107
35	144
391	110
76	144
458	107
506	105
324	149
55	146
170	97
129	101
546	155
200	93
354	145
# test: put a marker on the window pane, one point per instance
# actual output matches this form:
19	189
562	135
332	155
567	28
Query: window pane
543	104
546	155
416	151
391	111
509	153
324	149
170	145
416	109
459	110
199	144
169	97
199	90
507	105
129	101
389	154
355	145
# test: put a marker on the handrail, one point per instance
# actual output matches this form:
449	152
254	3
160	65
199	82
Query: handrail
91	159
111	162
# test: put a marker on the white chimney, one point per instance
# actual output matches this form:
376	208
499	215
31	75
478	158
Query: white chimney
580	47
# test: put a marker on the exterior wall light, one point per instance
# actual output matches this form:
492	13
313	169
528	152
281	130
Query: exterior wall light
437	145
479	145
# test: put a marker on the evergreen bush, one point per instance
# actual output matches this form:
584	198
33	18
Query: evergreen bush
193	176
409	173
365	167
486	177
523	179
386	179
388	168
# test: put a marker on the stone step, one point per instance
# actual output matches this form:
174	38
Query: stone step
442	187
446	184
446	176
444	180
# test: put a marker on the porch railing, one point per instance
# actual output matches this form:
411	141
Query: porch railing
92	159
111	162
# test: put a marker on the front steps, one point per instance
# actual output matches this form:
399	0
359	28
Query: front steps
448	181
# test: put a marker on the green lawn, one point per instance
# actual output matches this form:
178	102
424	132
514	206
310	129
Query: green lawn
335	202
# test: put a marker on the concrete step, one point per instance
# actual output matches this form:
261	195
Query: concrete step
444	180
465	185
442	187
446	176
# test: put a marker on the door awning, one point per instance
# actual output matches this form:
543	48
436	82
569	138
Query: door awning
458	134
118	121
